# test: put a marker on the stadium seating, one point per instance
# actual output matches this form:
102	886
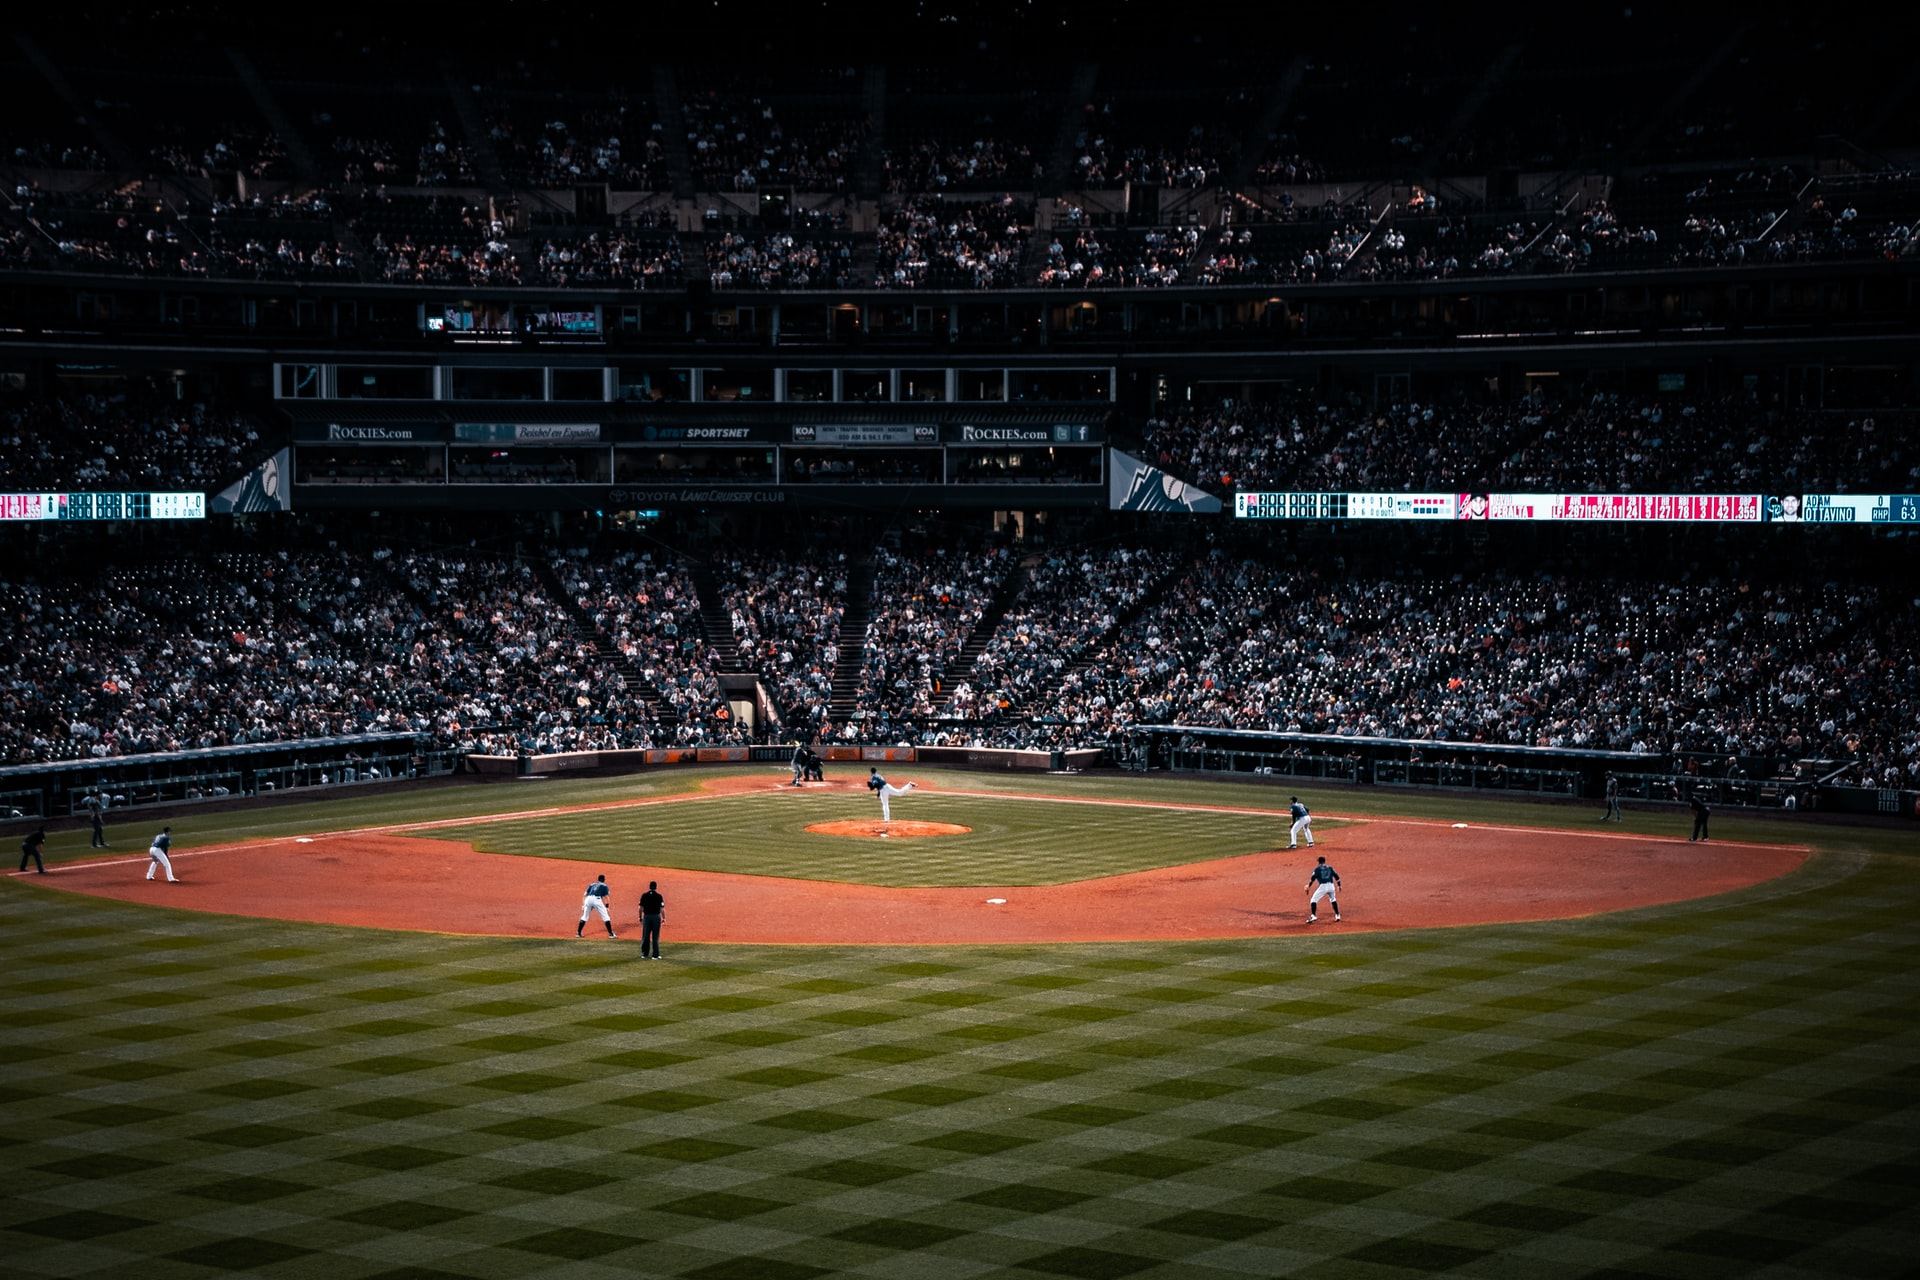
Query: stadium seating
1605	444
1075	647
123	443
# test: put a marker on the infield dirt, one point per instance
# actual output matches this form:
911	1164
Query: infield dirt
1397	873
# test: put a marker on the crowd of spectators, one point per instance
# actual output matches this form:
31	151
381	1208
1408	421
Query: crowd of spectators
781	260
121	443
737	142
785	612
1068	603
1282	163
507	671
1086	258
1102	158
468	650
112	232
927	242
194	652
926	606
247	256
622	259
982	163
262	155
648	612
1597	238
122	231
1836	229
586	146
1602	443
443	159
1247	445
1770	674
403	261
365	161
40	153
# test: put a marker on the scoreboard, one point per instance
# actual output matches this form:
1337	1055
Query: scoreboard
1625	508
1345	506
103	506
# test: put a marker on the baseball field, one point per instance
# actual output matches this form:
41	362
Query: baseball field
360	1039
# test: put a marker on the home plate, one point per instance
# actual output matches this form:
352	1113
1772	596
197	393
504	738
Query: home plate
998	902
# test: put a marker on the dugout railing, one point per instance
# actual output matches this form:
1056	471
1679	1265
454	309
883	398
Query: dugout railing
59	788
226	783
1477	777
23	804
1279	764
1558	772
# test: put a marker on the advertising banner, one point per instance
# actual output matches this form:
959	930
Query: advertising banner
269	487
526	432
894	433
1133	485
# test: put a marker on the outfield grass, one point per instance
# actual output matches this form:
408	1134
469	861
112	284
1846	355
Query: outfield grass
1717	1088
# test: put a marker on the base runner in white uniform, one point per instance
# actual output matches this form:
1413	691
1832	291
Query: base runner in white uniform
596	900
157	855
886	791
1302	821
1324	881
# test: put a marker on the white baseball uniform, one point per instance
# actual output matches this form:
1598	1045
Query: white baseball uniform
157	853
886	791
1302	821
596	900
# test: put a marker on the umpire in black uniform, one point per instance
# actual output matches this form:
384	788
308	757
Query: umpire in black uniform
1700	815
30	848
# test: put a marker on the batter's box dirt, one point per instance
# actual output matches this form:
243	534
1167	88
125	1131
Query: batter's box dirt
876	830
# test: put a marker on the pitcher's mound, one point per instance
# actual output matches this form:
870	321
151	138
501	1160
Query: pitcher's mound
877	830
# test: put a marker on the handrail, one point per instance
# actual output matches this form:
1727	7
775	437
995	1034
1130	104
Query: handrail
1799	198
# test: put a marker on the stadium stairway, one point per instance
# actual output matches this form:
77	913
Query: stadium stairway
673	127
347	236
588	632
715	622
990	618
874	93
866	261
486	161
277	119
853	641
1121	621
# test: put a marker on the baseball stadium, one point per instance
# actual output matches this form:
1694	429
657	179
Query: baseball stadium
1007	639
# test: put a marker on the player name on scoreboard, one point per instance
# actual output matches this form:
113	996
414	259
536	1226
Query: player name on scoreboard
103	506
1695	508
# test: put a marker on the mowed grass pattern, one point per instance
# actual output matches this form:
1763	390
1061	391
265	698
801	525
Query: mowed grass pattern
1012	841
1709	1089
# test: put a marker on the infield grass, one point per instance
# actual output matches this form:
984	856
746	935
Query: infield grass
1012	840
1717	1088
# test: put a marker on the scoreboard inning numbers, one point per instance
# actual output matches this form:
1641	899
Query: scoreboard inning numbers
103	506
1290	506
